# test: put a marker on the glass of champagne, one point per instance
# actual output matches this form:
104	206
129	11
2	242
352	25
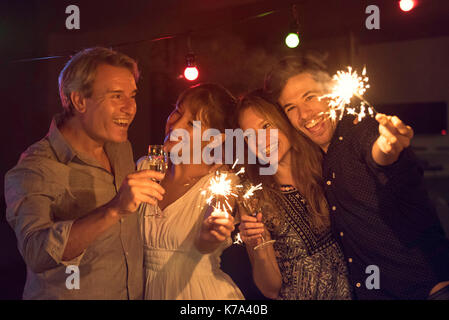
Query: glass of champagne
252	206
156	160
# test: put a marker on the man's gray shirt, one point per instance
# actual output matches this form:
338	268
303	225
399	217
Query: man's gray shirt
53	185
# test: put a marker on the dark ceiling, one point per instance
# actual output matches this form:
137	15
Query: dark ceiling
25	25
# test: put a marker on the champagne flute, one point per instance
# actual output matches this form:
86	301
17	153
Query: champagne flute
252	206
156	160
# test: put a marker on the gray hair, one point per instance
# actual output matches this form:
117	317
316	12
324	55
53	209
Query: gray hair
78	74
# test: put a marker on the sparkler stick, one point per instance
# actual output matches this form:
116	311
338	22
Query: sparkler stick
346	86
222	188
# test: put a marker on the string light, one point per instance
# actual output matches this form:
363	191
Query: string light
292	38
191	72
206	29
406	5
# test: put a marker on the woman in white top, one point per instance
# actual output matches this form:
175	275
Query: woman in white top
183	247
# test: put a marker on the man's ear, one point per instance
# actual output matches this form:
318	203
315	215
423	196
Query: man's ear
78	101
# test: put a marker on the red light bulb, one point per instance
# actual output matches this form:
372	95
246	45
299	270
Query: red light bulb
191	73
406	5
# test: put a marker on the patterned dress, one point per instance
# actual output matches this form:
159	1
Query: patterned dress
311	262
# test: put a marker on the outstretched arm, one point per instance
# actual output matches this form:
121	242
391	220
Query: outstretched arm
394	137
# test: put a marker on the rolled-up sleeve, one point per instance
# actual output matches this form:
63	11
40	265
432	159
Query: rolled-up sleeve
41	240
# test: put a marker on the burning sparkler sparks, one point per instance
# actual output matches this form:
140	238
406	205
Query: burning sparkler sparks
222	188
346	86
237	239
250	192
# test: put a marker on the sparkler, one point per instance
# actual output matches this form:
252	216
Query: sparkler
222	187
346	86
248	194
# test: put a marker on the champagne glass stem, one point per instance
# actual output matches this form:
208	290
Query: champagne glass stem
264	243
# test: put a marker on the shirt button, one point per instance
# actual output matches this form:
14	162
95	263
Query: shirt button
350	260
340	138
341	234
329	183
334	208
358	285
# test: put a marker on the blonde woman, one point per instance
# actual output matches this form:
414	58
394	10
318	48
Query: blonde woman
305	262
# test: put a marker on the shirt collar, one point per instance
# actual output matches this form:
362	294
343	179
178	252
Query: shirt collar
61	147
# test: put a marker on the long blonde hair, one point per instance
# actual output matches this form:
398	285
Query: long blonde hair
306	158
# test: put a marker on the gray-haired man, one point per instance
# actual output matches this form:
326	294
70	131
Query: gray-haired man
72	197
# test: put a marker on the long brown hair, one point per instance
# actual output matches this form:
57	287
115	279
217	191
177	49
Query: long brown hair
306	158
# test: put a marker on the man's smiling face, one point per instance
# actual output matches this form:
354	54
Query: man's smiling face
299	100
112	105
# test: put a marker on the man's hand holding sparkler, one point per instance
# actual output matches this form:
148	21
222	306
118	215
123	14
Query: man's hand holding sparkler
394	137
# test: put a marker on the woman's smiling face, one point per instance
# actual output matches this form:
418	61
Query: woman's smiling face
251	119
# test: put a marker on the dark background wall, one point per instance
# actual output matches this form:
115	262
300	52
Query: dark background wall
406	60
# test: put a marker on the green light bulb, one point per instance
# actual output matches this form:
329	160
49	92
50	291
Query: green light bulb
292	40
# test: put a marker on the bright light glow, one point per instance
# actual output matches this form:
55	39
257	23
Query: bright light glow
292	40
220	185
406	5
346	86
248	194
221	188
191	73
